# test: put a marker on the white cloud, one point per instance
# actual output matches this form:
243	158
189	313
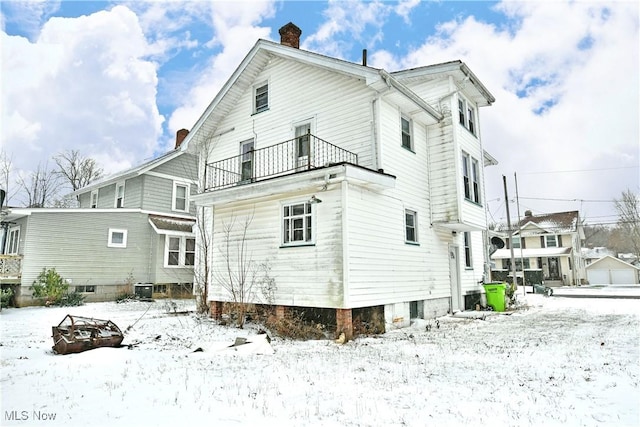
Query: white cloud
30	14
236	29
85	84
579	57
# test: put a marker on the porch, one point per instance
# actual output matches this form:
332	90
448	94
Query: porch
10	269
299	154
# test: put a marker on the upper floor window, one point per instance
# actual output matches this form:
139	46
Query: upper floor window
117	238
471	178
180	197
411	226
405	128
13	241
297	224
261	98
119	195
468	262
179	251
467	115
551	241
515	242
94	199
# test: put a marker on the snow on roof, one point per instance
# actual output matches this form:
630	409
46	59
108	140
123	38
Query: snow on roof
559	222
165	224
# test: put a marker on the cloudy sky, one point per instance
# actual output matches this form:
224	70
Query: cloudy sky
116	80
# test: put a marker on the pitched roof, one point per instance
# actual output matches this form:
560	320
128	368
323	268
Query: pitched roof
131	172
595	264
377	79
558	222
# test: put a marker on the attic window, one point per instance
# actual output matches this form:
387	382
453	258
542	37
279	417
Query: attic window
261	98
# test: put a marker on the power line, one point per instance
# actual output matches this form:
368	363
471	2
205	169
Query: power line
579	170
568	200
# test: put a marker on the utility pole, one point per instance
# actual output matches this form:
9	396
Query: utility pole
510	234
524	276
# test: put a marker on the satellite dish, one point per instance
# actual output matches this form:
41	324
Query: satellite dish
497	242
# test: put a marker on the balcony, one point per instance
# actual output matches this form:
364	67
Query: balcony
303	153
10	268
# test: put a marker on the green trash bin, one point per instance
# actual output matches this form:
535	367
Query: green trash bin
496	295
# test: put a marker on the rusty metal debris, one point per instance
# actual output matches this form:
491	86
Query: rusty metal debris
76	334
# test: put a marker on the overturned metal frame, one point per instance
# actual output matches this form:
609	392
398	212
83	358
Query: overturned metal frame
76	334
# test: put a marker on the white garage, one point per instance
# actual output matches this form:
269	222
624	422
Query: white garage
612	271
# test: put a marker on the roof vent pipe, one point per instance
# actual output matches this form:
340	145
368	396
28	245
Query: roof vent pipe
364	57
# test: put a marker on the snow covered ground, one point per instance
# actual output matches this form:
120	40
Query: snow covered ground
558	361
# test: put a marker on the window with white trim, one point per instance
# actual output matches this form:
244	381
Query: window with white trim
119	195
468	261
515	242
410	226
297	224
117	238
94	199
13	241
467	115
471	178
261	98
405	130
551	241
246	160
180	201
179	251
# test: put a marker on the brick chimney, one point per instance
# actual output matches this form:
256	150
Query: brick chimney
290	35
180	136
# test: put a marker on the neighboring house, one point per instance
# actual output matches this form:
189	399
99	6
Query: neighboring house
363	189
593	254
134	227
548	247
609	270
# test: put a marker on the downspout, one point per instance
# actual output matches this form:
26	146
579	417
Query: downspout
376	148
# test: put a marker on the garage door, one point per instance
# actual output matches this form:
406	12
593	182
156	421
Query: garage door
598	277
611	277
622	277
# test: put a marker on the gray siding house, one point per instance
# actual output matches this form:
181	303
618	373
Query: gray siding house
133	232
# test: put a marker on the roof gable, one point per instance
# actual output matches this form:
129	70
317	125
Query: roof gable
609	259
376	79
130	173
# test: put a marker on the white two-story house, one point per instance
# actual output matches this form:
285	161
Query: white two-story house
362	190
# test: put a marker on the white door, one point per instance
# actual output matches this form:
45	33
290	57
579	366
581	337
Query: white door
303	146
623	277
598	277
454	274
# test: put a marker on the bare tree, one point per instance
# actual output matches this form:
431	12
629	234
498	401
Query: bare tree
202	270
79	171
246	281
6	165
40	186
628	208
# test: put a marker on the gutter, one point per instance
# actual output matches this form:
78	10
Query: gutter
391	82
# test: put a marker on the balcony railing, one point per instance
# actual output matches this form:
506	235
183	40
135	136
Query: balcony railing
10	266
299	154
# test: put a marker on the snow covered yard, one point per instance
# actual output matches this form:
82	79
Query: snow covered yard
561	361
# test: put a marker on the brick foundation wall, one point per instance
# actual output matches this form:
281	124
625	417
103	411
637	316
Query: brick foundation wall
215	309
344	322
